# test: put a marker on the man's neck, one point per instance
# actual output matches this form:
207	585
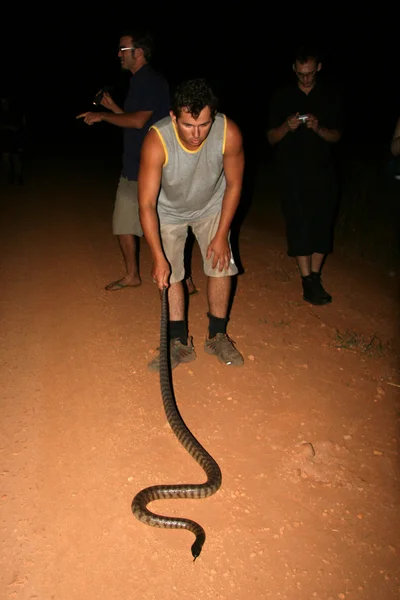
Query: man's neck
138	66
305	90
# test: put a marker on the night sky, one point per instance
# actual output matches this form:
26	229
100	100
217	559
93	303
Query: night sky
54	64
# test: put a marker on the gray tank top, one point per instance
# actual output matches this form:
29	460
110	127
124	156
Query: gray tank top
193	181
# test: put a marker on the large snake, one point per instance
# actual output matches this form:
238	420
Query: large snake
189	442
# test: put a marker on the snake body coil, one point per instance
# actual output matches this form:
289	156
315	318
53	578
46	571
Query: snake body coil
189	442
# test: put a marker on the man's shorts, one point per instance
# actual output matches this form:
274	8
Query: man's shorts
126	209
173	239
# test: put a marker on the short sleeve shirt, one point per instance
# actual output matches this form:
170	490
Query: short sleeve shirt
148	91
304	149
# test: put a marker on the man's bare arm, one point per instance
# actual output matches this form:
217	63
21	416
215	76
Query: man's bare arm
329	135
152	158
234	168
395	145
274	136
134	120
292	123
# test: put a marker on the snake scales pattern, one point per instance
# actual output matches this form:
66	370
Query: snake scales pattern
189	442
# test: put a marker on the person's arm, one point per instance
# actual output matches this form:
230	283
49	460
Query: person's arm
234	168
329	135
152	158
276	134
395	145
279	123
133	120
116	116
331	128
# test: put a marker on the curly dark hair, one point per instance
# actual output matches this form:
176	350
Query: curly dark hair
141	39
194	95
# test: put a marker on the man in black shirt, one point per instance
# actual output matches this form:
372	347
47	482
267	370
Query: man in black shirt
147	101
305	119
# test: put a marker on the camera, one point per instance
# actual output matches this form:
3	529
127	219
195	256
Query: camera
303	118
99	96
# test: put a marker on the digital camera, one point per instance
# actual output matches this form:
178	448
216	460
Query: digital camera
99	96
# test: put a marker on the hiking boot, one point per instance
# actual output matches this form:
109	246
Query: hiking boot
179	353
313	290
222	346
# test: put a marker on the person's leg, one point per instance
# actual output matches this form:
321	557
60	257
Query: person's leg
176	303
304	264
316	262
8	167
173	239
127	228
191	286
300	206
323	198
296	220
129	245
309	267
219	285
17	167
217	341
313	291
218	294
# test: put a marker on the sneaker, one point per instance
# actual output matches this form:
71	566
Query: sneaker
179	353
313	291
222	346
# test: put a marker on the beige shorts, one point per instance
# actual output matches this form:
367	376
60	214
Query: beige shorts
126	209
173	239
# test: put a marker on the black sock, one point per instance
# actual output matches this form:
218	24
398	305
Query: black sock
216	325
178	329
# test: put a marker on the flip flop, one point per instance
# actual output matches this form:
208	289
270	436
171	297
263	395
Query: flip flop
115	286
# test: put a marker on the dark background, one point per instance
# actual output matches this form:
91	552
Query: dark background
55	58
54	62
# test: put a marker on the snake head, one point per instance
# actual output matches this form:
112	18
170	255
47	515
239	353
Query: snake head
196	549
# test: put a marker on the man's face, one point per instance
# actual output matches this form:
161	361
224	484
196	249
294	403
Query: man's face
306	73
192	132
127	56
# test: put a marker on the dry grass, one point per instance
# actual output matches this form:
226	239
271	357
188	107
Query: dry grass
352	340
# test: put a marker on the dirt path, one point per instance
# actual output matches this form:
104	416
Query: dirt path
306	433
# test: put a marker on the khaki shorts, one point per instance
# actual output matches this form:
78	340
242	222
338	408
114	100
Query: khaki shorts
173	239
126	209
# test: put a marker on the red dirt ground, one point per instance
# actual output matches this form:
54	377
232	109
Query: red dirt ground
306	433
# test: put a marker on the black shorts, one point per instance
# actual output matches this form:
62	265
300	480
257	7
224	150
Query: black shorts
309	208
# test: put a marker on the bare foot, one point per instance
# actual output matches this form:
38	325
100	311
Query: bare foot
191	287
125	282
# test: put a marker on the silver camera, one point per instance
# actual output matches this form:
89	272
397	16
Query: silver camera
303	118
